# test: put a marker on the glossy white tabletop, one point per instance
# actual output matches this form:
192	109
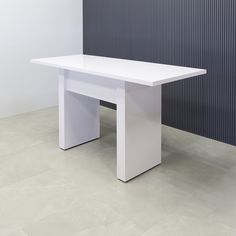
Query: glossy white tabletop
138	72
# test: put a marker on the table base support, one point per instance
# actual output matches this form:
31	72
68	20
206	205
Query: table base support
138	119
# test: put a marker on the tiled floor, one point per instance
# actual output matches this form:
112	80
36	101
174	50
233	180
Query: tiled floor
45	191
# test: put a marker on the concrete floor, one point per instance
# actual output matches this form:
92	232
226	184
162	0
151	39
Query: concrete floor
45	191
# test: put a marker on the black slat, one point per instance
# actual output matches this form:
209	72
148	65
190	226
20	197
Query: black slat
197	33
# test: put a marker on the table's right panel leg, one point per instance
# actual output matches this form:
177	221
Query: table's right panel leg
138	130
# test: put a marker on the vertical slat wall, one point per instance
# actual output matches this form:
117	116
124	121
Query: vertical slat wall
197	33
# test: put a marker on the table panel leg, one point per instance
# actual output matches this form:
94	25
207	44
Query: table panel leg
79	119
138	130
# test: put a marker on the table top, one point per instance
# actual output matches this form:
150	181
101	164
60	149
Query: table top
144	73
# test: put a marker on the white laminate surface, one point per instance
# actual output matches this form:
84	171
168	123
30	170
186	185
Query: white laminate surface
138	72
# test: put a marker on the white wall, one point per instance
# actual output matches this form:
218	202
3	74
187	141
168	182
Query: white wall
32	29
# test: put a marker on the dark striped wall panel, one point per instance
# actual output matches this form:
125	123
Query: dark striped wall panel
197	33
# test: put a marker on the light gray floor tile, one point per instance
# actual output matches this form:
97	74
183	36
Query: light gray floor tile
46	191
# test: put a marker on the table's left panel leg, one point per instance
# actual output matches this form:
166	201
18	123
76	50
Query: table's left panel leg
79	119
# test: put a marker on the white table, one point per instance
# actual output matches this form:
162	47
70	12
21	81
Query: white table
134	86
